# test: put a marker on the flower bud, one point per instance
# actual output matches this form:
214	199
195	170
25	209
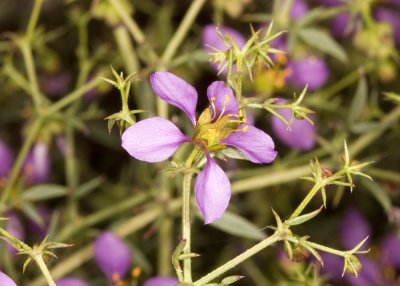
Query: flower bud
352	265
37	164
112	255
161	280
70	281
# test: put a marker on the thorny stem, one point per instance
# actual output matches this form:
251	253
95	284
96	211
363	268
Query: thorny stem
238	259
186	235
42	266
306	201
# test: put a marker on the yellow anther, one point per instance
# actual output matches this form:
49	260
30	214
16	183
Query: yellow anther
212	98
136	271
227	98
245	128
116	277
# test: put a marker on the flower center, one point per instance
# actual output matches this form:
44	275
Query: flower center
211	127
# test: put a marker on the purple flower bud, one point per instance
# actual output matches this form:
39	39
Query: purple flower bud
15	227
37	164
70	281
112	255
390	248
301	134
340	26
353	229
161	281
6	159
55	85
392	18
5	280
298	10
311	71
211	39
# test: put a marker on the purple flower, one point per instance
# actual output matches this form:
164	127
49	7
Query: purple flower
39	231
353	229
5	280
340	26
298	10
390	248
156	139
161	281
369	275
392	18
330	2
6	159
211	39
301	134
37	164
311	71
15	227
55	85
333	266
112	255
70	281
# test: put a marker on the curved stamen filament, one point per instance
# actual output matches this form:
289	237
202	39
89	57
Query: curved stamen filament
227	98
244	129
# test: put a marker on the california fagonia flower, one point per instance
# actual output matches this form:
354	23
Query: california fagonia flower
218	127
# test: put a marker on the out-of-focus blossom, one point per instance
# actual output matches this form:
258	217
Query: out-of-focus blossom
394	2
6	159
156	139
161	281
55	85
15	227
5	280
330	2
112	256
391	17
340	26
354	228
310	70
211	39
301	134
37	164
333	266
298	10
390	250
71	281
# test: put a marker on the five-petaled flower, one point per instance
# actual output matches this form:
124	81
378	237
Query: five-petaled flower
219	126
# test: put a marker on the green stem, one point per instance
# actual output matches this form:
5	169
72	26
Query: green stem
306	200
318	246
33	19
16	169
237	260
42	266
14	240
100	216
186	235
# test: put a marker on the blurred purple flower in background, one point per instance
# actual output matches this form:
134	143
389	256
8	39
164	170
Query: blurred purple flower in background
298	10
391	17
112	256
70	281
5	280
6	159
56	84
39	231
161	281
301	135
390	248
37	164
14	226
354	227
310	70
156	139
211	39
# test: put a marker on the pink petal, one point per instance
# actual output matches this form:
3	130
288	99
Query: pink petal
254	143
5	280
175	91
213	191
223	96
152	140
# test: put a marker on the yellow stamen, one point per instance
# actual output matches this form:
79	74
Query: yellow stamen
214	110
136	271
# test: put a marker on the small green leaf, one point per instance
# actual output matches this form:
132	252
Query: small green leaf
231	279
44	192
237	225
89	186
323	42
359	100
303	218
